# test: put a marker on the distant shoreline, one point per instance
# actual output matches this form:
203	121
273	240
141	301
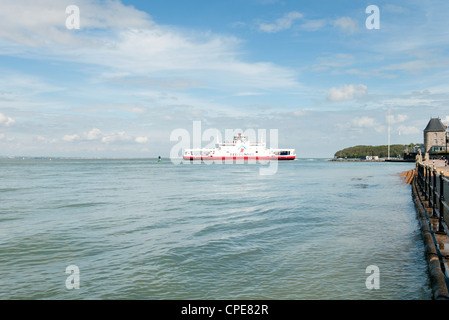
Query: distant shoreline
373	160
117	158
155	157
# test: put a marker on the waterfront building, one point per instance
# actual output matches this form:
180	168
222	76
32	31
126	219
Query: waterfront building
435	136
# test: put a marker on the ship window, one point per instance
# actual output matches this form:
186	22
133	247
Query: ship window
284	153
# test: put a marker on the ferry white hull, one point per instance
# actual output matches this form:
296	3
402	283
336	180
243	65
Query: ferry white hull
240	149
242	158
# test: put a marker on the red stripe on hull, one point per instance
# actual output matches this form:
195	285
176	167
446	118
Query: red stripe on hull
239	158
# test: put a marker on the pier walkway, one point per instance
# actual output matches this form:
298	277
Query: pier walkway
430	189
439	166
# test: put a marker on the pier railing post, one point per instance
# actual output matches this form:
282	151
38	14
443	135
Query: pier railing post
424	187
441	206
424	179
421	172
429	184
418	174
421	169
434	193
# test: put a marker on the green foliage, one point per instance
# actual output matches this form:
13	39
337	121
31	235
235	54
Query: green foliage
396	150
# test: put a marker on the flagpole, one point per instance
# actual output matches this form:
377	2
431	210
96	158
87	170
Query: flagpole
388	135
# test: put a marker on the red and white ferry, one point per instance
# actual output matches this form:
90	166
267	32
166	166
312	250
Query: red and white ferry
239	149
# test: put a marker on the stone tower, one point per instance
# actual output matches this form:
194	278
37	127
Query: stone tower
435	136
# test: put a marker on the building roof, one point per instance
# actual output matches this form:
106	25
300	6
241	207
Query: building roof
435	124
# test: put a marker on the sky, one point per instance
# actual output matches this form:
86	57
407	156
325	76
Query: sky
133	72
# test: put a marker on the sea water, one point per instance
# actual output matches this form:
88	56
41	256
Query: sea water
143	229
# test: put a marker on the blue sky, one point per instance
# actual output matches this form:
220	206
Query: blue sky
136	71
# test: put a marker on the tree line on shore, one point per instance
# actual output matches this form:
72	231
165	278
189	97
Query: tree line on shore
396	151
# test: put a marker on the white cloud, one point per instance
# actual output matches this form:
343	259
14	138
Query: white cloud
366	122
282	23
299	113
161	83
46	140
346	24
392	119
313	25
247	94
18	84
347	92
6	121
128	41
141	139
94	134
41	23
415	66
115	137
2	136
70	137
